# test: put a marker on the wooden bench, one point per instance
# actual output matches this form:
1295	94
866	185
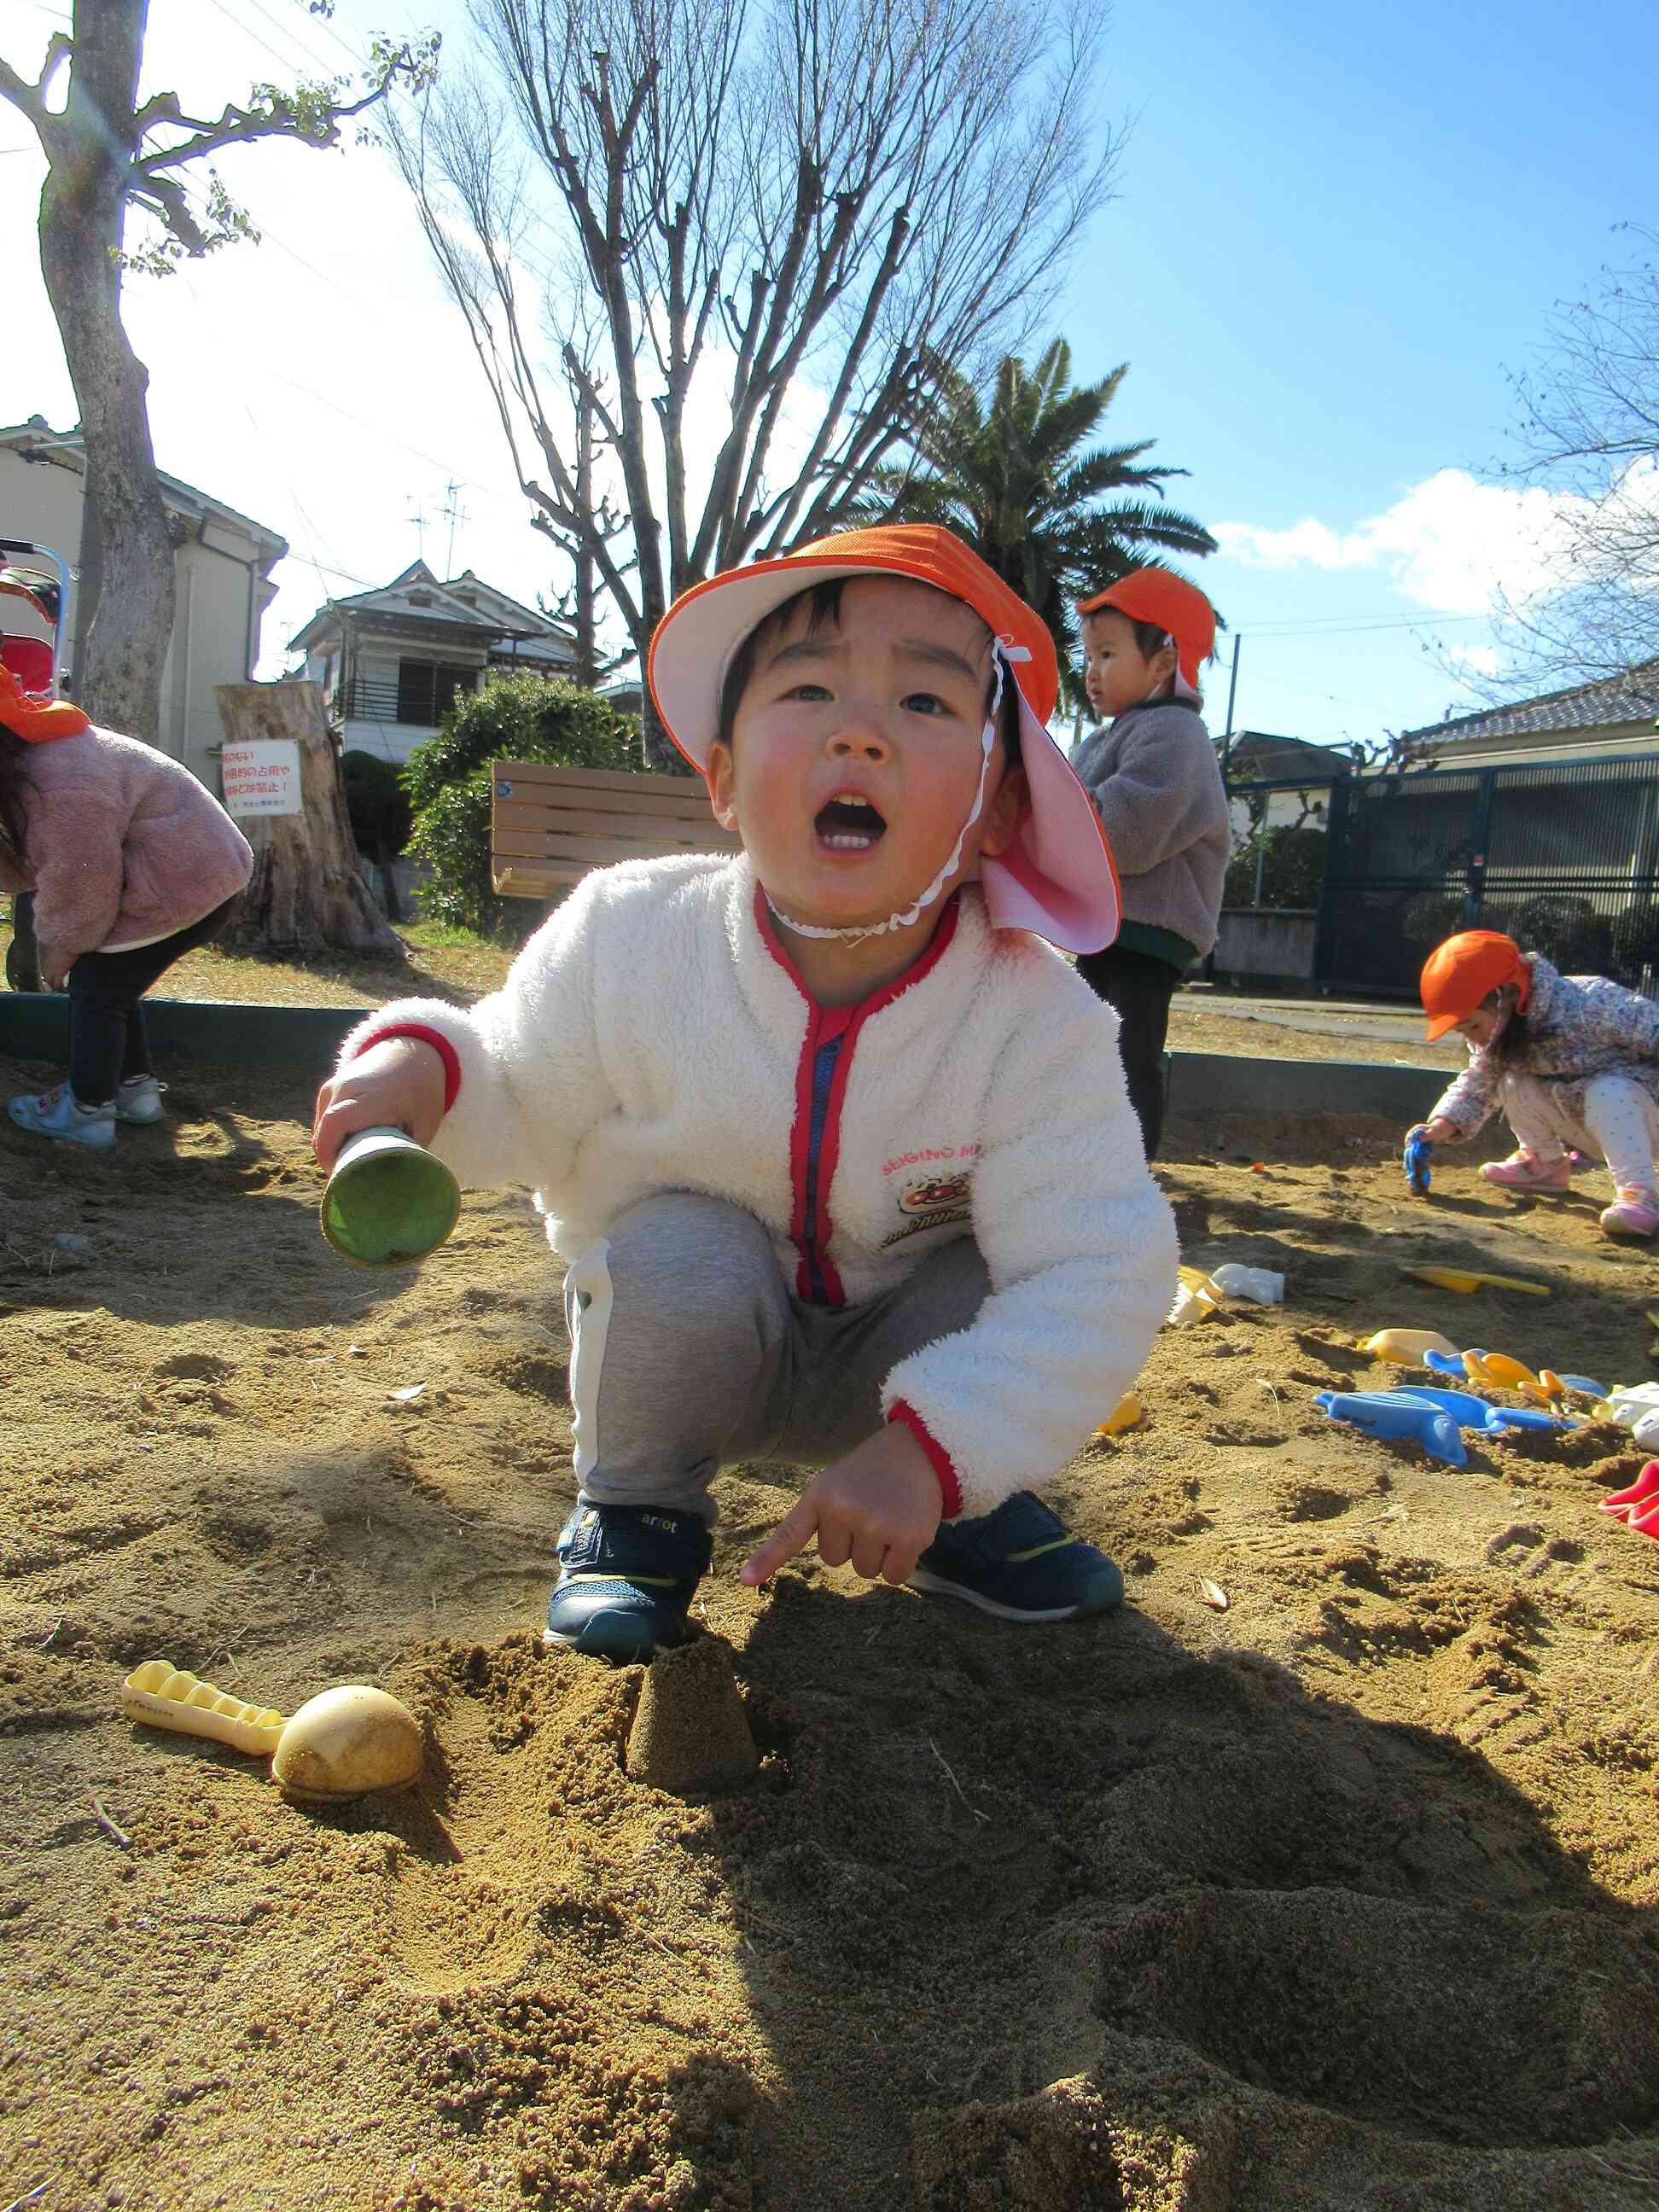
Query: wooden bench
549	826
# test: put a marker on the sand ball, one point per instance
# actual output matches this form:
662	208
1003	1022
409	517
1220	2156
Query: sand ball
690	1735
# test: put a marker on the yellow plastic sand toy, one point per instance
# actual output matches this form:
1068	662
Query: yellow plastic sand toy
1127	1413
1406	1346
1468	1280
341	1743
162	1695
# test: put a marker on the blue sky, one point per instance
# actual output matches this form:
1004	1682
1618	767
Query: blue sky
1337	227
1335	231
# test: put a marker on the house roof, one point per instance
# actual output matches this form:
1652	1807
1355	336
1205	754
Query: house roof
465	607
516	619
38	441
1629	697
1263	754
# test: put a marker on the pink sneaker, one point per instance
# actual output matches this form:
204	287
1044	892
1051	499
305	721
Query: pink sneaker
1634	1212
1524	1170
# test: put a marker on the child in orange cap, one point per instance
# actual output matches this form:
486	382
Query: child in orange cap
1152	775
837	1151
1570	1061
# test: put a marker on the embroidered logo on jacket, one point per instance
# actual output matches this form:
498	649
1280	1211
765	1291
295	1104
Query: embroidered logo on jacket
932	1202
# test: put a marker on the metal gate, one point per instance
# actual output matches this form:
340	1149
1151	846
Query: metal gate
1564	858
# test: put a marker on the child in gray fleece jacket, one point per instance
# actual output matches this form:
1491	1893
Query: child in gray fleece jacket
1152	775
132	864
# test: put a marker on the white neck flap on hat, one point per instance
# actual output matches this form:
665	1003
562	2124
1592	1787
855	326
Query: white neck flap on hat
1001	652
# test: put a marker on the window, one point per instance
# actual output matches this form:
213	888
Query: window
426	689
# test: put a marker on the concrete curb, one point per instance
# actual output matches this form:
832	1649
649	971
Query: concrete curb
1222	1083
300	1041
304	1041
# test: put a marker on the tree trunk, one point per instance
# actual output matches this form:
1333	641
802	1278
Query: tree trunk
307	894
127	553
586	667
658	750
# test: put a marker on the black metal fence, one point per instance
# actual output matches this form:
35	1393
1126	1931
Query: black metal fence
1563	857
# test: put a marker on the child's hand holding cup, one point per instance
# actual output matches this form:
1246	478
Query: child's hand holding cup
387	1201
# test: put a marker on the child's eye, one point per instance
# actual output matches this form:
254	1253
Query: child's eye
924	703
812	694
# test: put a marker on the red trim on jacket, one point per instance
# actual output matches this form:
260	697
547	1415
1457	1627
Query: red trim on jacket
937	1458
440	1044
824	1026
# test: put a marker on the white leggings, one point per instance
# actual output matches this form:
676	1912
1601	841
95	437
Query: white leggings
1620	1120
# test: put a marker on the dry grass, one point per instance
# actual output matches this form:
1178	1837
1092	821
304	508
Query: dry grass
442	964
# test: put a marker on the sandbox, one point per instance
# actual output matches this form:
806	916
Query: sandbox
1341	1898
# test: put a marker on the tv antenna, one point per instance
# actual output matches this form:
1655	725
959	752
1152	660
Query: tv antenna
456	513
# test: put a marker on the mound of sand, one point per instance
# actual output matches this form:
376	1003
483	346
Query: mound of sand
1340	1898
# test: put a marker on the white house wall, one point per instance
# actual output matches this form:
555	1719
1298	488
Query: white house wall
220	602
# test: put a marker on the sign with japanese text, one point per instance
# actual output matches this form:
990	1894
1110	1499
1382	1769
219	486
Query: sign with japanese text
262	776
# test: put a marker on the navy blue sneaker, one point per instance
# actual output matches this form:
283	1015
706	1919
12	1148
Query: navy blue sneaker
1021	1563
627	1574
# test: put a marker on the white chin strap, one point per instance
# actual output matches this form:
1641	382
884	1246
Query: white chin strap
1000	651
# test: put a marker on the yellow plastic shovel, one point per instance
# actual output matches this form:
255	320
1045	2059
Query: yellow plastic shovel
1467	1279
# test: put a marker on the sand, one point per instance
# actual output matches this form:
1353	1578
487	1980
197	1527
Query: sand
1343	1898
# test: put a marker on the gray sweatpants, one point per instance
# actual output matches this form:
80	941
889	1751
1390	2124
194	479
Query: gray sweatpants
689	1351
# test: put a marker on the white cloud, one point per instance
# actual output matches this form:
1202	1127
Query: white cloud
1478	660
1451	542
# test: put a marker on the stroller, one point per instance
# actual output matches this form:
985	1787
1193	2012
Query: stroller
36	587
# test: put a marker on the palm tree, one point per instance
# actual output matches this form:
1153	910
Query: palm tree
1008	478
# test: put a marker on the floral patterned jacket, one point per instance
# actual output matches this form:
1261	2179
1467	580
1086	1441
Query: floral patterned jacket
1579	1027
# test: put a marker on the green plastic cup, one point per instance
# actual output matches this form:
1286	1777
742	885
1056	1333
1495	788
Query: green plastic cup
389	1202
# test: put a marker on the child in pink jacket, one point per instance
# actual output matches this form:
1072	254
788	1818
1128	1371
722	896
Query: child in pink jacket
133	865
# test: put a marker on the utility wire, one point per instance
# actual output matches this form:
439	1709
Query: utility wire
248	31
1350	626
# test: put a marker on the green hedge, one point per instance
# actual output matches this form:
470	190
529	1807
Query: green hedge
1292	869
529	718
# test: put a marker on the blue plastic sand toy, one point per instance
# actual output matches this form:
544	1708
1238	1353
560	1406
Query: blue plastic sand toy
1471	1412
1447	1363
1419	1156
1397	1418
1583	1386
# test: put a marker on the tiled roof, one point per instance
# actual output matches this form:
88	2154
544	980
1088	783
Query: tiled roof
1630	696
1264	753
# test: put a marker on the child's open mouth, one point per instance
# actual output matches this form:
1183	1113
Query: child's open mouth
849	825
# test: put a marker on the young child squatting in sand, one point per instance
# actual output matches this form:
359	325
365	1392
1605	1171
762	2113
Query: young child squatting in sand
1152	775
1570	1061
839	1154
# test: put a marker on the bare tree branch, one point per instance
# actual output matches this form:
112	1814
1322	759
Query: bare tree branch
1587	432
768	213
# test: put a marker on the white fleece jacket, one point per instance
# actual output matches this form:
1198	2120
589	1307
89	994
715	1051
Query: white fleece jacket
653	1035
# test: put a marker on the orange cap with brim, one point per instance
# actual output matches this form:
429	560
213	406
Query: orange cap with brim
1158	595
1467	968
1056	877
36	720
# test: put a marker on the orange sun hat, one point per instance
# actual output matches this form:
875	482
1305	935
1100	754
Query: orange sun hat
1179	609
1057	878
1467	968
35	718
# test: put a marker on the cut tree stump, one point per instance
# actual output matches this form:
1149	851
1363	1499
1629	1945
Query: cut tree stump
308	893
